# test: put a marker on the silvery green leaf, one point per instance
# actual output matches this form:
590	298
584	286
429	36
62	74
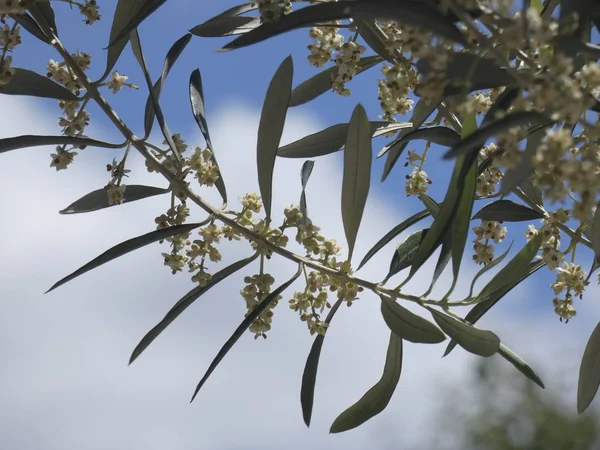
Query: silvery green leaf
411	13
29	140
320	83
270	129
507	211
376	39
407	325
332	139
357	174
595	234
42	10
589	372
474	340
185	302
27	82
467	72
532	192
309	376
126	247
27	22
197	103
226	26
392	234
99	199
377	398
307	168
438	135
490	300
138	11
405	253
172	56
251	317
520	364
489	267
136	47
491	129
420	114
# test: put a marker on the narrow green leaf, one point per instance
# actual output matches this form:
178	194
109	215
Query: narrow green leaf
405	253
420	114
251	317
309	376
132	21
226	26
30	25
172	56
491	129
126	247
357	174
490	300
377	398
502	103
376	39
307	168
589	372
507	211
407	325
414	14
98	199
520	364
332	139
29	140
43	11
392	234
474	71
531	191
186	301
320	83
596	234
489	267
197	102
27	82
438	135
474	340
270	129
442	262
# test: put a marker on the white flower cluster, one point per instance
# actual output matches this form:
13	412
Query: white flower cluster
89	9
484	249
325	41
271	10
489	178
13	6
550	230
347	66
393	90
10	37
417	182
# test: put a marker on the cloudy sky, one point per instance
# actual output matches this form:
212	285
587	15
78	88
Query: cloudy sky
64	381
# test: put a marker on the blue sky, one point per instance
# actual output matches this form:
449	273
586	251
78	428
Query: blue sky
65	383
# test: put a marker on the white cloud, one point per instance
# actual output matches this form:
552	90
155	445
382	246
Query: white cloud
65	381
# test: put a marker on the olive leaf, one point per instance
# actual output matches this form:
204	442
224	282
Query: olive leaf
532	192
411	13
520	364
43	11
474	340
438	135
270	128
376	39
589	372
225	26
98	199
392	234
507	211
197	103
405	253
422	111
309	376
502	103
29	140
185	302
332	139
595	235
377	398
139	10
407	325
466	70
305	173
27	82
490	129
126	247
136	47
27	22
172	55
251	317
320	83
357	174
